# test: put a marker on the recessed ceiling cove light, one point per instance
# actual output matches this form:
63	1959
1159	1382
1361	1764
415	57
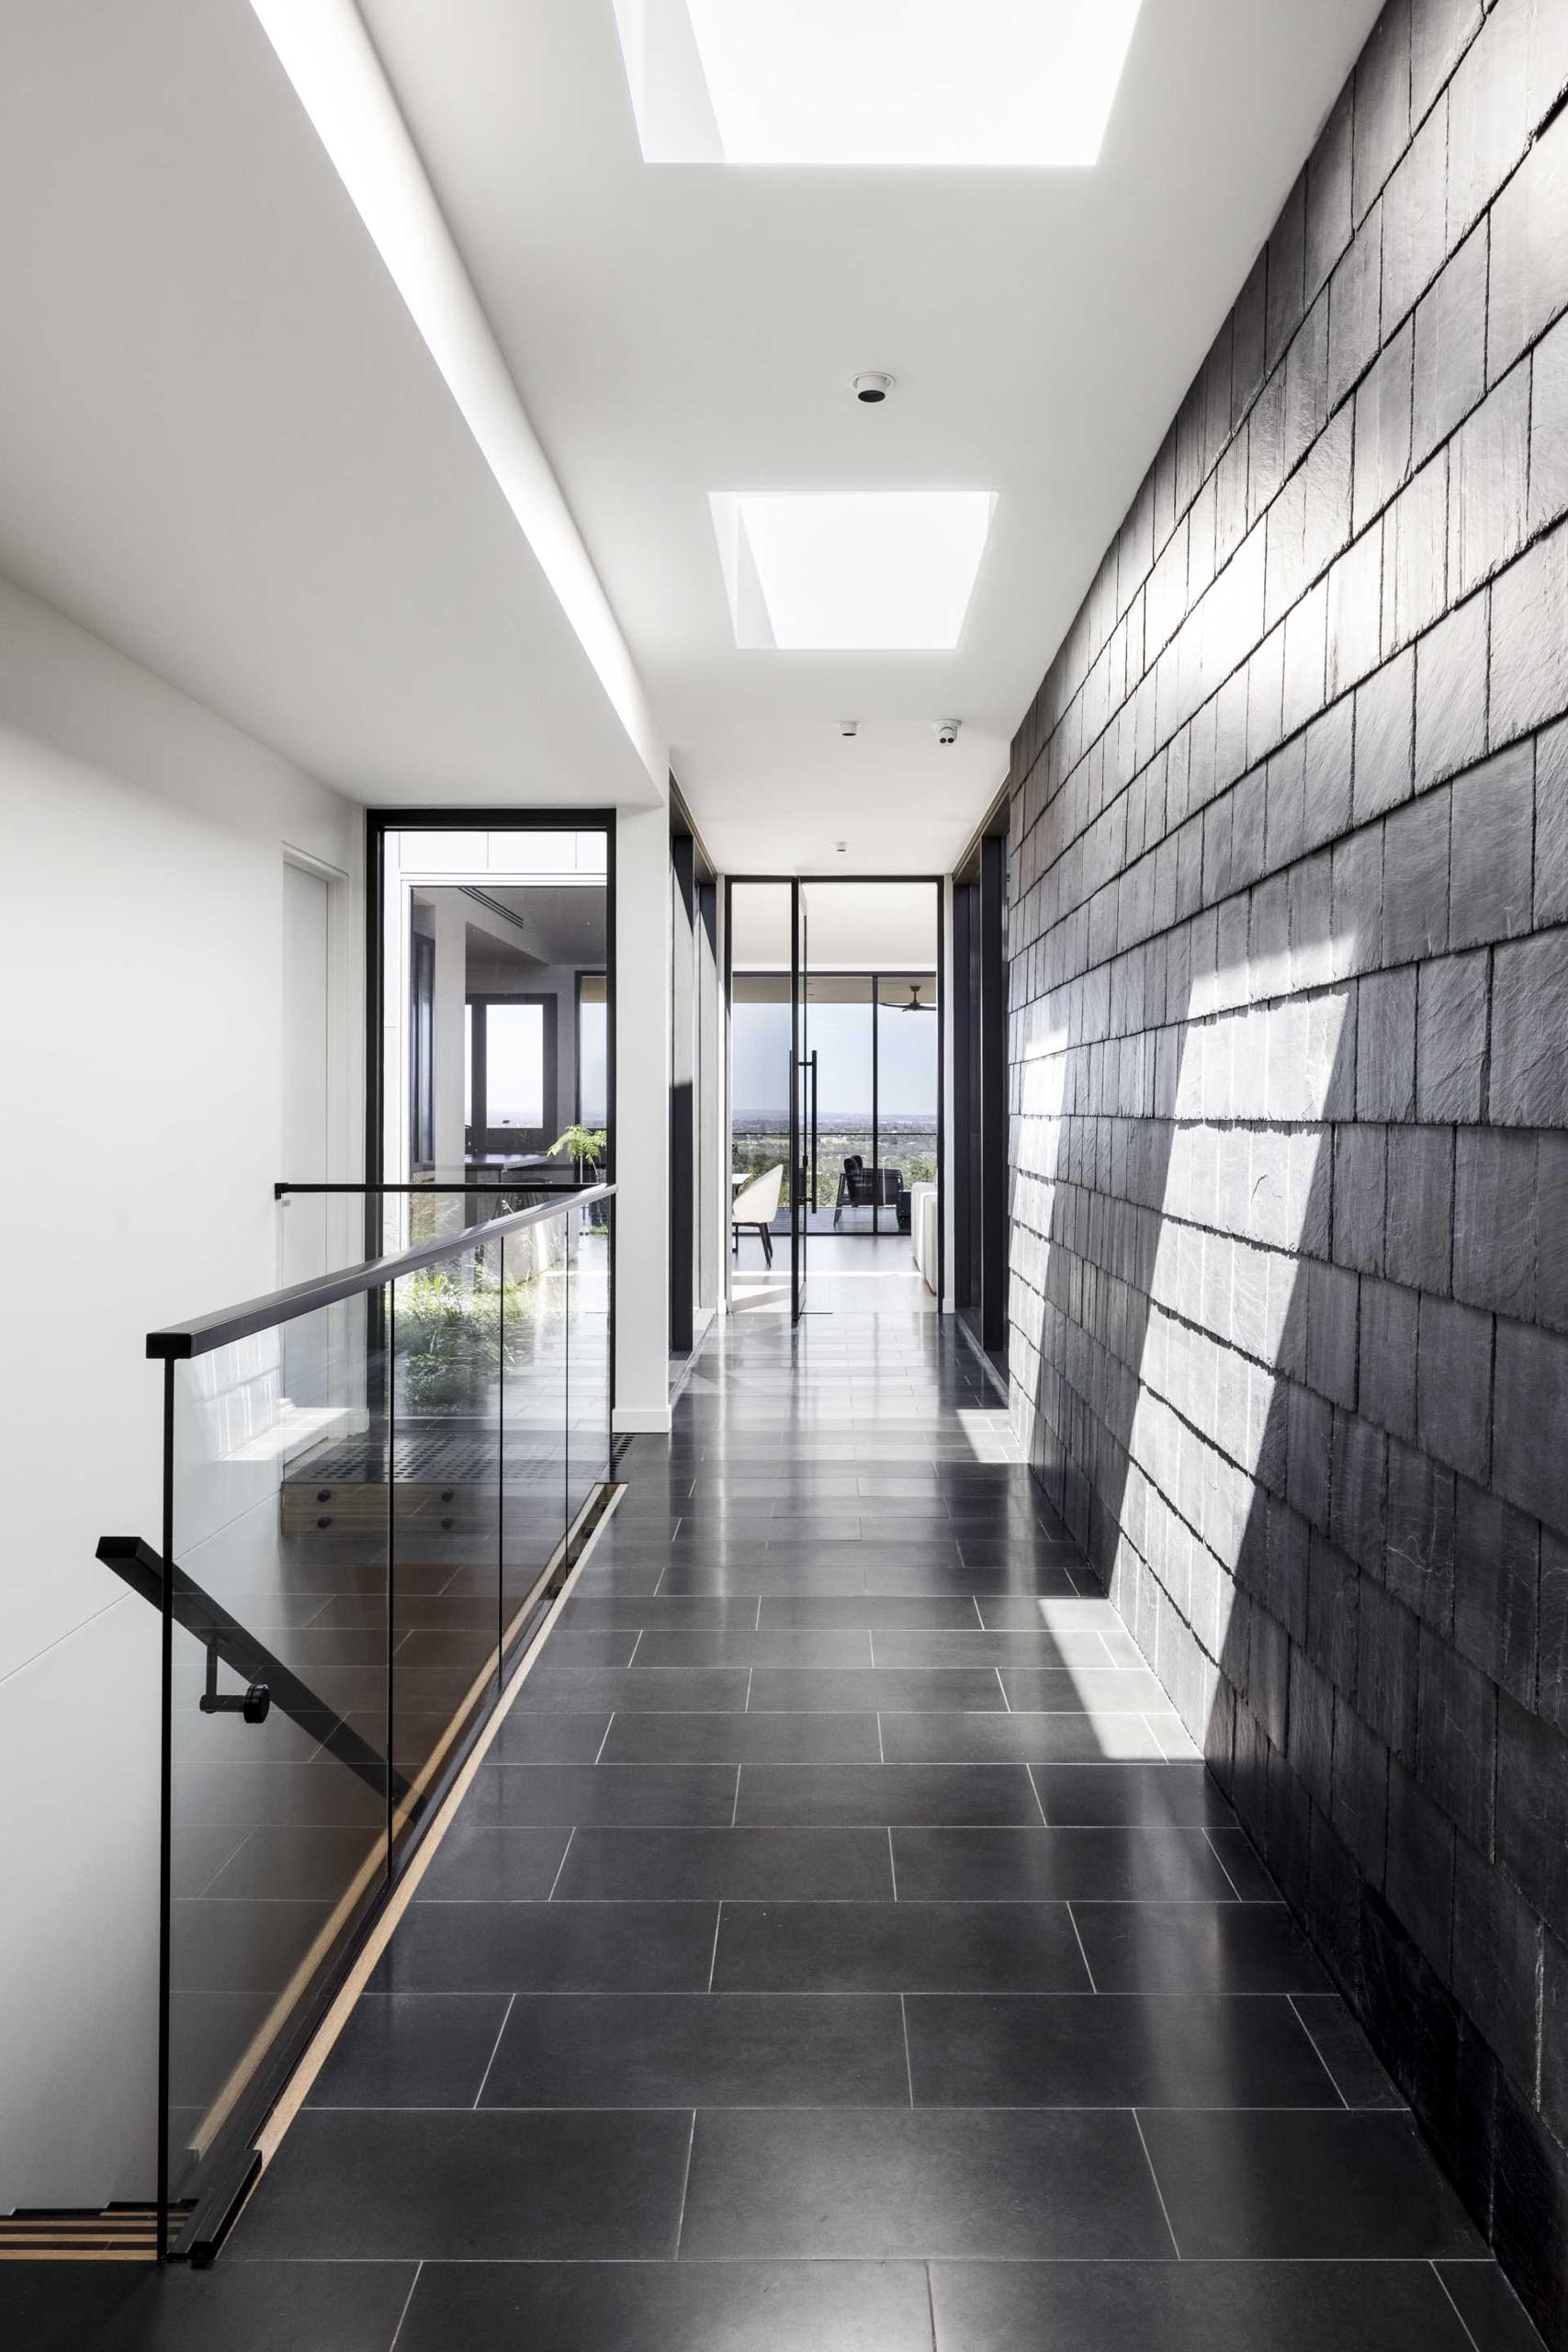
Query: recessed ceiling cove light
866	82
851	571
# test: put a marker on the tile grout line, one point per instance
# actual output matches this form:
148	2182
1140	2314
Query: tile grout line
407	2299
604	1742
686	2182
713	1956
496	2044
1082	1954
1040	1803
735	1808
637	1646
1138	2127
1457	2313
1317	2053
891	1863
1219	1858
746	1708
1001	1686
909	2070
561	1864
881	1751
931	2305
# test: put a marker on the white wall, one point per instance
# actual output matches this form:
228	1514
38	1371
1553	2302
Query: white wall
142	854
642	1119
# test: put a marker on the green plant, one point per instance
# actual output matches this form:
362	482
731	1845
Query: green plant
585	1144
455	1336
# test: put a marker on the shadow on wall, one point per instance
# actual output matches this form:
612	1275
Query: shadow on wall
1212	1374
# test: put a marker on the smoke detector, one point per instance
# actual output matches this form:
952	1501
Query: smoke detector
849	729
871	387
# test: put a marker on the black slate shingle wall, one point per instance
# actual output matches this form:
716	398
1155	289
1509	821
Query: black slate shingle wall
1289	1048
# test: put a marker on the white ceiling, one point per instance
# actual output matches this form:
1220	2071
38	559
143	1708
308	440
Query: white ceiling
676	330
224	446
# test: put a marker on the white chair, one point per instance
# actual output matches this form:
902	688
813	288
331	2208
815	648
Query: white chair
757	1204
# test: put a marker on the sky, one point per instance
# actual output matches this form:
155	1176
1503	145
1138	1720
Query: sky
840	1035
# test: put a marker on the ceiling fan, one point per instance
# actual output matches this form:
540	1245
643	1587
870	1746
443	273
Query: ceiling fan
914	1004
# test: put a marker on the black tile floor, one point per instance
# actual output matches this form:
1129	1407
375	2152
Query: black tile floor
842	1949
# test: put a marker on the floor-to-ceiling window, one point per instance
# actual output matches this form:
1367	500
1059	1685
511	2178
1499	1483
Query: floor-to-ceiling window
494	1066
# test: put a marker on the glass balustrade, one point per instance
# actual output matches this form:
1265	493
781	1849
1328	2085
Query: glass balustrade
373	1483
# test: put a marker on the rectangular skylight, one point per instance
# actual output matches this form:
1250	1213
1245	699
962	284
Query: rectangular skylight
874	82
850	571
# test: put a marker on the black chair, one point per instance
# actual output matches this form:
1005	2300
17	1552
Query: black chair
861	1187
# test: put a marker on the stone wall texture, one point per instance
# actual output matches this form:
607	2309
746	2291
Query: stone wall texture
1288	943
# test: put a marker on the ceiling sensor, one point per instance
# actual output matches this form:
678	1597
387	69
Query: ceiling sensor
947	730
842	847
848	728
871	387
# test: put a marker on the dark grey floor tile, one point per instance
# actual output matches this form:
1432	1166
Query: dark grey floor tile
670	1613
877	1612
581	1644
1060	1738
241	2305
411	2049
1113	1691
479	1860
578	1690
731	1865
581	1794
1131	2049
1191	2307
898	1947
886	1792
550	1948
794	1688
1196	1947
788	1645
605	1574
892	1573
1144	1795
1346	2051
1271	2186
695	1575
701	2050
742	1739
1242	1866
484	2186
236	1947
1105	1865
971	1647
1011	2184
296	1863
670	2307
1493	2313
549	1738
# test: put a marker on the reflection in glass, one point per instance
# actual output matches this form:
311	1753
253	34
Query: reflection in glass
277	1827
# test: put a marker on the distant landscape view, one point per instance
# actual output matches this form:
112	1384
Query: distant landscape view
908	1144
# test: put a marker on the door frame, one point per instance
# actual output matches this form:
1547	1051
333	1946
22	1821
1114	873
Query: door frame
378	824
797	883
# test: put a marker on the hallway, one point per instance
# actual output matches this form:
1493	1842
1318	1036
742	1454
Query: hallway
841	1949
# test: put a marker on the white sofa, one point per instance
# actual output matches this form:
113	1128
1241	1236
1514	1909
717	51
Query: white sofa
923	1199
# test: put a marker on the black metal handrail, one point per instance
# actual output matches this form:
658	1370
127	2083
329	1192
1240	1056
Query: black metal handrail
136	1563
203	1333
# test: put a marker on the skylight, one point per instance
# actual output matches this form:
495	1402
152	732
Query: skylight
862	572
874	82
